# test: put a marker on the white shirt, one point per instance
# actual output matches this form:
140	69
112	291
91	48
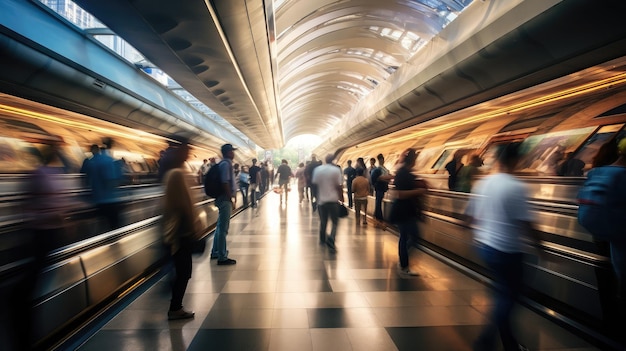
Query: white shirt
327	177
499	209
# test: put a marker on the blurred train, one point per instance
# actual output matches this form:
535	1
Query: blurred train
90	264
554	129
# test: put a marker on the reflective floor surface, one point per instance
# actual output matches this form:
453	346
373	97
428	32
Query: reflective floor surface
288	292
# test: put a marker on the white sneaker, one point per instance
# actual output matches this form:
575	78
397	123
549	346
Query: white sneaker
407	271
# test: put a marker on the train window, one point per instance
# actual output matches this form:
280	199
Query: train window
447	155
543	153
590	148
424	157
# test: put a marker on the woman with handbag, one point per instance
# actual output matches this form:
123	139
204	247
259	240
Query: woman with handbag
181	230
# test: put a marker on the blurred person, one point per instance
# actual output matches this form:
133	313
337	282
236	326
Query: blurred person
105	174
453	167
606	155
467	175
329	182
361	190
301	181
308	172
202	171
284	175
350	173
503	221
95	150
380	180
265	177
255	180
602	199
571	166
406	209
244	184
44	230
181	229
225	204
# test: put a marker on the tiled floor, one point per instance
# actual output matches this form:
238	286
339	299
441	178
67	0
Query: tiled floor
289	293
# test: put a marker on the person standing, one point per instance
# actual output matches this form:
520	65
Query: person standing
265	178
503	220
368	174
284	175
255	180
181	228
244	184
361	190
308	172
301	181
225	204
350	174
405	210
453	168
329	183
380	181
104	175
467	175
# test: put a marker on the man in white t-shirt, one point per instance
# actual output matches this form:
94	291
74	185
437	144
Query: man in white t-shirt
502	218
329	181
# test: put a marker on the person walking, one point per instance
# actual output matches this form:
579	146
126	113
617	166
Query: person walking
361	190
255	181
350	173
406	209
284	175
225	204
180	229
503	220
380	181
301	181
308	172
329	183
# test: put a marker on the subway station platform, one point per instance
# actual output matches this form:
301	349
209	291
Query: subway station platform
287	292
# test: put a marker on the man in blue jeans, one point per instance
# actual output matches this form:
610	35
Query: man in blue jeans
225	204
502	217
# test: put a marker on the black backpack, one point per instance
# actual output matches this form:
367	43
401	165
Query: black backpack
213	182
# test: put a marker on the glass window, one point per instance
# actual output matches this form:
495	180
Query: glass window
544	153
590	148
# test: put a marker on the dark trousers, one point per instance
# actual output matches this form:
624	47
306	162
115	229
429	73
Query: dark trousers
378	205
349	190
244	193
409	233
507	269
329	210
111	213
182	266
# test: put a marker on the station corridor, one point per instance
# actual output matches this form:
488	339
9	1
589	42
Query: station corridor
287	292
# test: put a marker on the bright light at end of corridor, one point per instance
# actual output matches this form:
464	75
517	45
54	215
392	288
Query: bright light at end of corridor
304	141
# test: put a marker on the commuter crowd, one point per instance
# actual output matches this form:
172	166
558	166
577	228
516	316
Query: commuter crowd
500	214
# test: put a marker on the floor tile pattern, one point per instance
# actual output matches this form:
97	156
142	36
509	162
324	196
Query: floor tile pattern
287	292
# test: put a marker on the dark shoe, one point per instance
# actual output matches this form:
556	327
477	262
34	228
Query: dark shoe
180	314
331	244
214	257
226	262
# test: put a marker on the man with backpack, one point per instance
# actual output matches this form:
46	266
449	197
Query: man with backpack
225	202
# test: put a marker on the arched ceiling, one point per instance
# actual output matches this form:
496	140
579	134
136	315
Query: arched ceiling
276	70
352	70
